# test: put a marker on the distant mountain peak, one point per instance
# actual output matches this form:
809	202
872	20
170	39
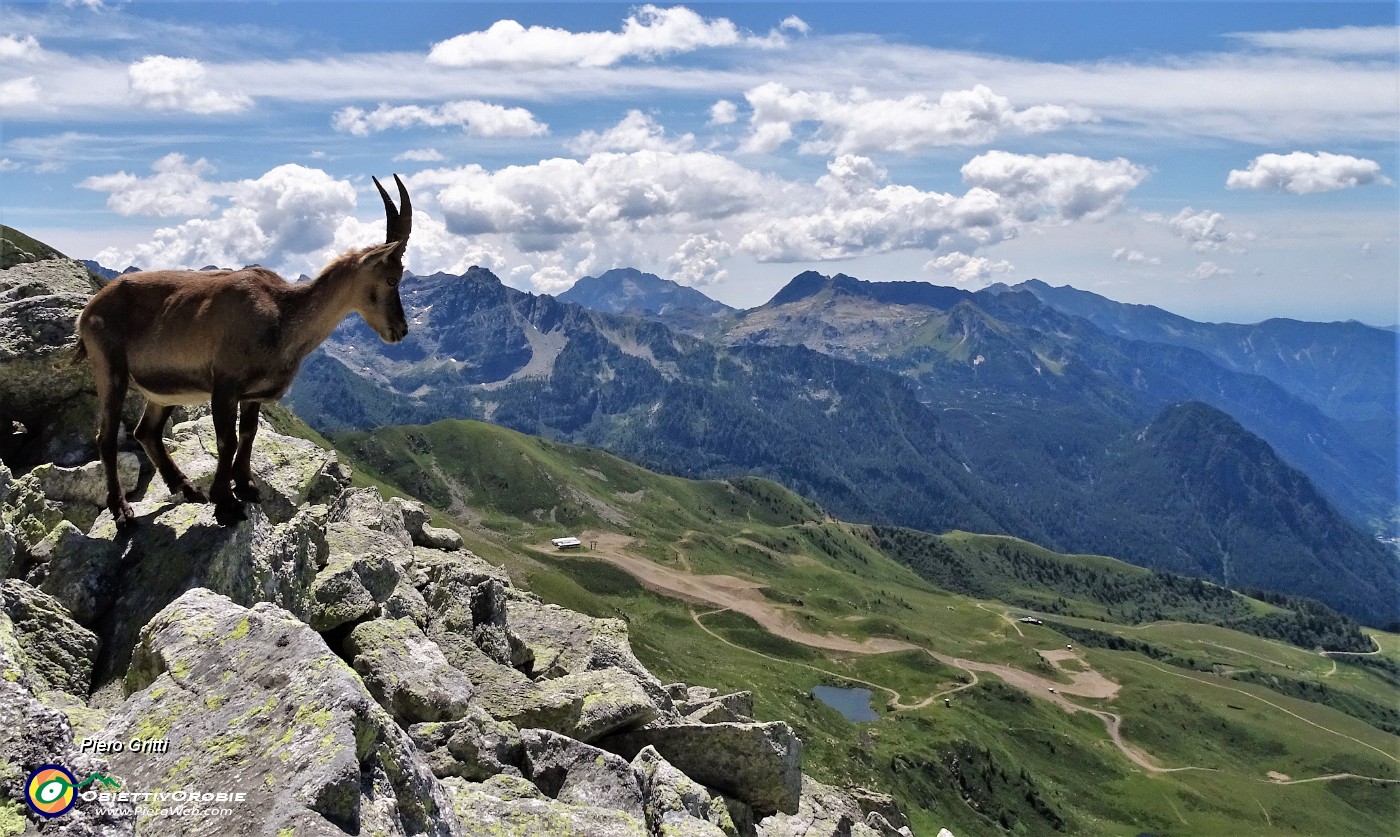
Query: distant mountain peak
626	289
811	283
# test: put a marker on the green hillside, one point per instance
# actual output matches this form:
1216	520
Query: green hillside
744	585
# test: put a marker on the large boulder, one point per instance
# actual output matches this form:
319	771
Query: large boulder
676	805
253	700
60	651
573	772
415	521
587	706
565	642
824	812
475	747
757	764
33	734
407	673
51	399
490	813
291	473
360	576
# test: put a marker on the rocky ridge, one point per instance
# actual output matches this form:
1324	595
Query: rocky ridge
345	665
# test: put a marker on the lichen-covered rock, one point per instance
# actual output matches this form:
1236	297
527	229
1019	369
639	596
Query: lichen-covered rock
60	652
359	577
407	603
573	772
879	804
824	812
253	700
415	521
586	706
290	472
491	815
29	515
676	805
366	508
38	388
565	642
33	734
475	747
407	673
84	483
467	598
510	787
77	570
758	764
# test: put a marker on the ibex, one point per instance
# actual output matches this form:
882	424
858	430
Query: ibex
233	337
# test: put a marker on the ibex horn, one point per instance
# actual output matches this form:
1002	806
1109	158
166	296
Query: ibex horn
399	221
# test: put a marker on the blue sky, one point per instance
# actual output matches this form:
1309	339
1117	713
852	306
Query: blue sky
1225	161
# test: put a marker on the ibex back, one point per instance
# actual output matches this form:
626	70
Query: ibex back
233	337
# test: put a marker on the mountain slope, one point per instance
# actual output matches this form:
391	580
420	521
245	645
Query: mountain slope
995	753
1346	369
991	356
1030	462
629	291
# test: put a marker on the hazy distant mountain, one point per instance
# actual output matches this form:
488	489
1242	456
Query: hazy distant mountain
1004	363
853	436
626	290
1347	369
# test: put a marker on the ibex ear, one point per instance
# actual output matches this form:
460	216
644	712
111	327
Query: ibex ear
381	253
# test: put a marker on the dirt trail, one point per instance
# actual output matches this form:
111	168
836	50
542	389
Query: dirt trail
726	591
743	596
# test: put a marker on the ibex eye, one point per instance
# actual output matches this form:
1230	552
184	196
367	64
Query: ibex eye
394	281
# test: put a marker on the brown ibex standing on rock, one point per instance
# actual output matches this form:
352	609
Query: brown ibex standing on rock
234	337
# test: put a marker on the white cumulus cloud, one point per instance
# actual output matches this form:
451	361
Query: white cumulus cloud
160	82
15	48
698	261
1304	174
723	112
1205	231
968	270
635	132
178	187
288	212
796	24
1069	186
861	122
648	33
475	118
538	207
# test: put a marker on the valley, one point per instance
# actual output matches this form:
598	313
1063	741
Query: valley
744	584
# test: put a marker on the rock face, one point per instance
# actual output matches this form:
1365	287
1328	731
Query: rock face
332	665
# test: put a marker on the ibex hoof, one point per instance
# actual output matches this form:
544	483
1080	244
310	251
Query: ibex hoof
247	493
192	494
229	512
123	516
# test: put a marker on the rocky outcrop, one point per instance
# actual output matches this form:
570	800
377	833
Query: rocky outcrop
335	660
758	764
348	676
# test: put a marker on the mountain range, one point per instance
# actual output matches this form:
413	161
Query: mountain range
902	403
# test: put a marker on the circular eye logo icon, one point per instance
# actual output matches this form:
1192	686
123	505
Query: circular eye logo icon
50	790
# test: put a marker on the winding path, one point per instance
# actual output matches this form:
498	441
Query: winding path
731	593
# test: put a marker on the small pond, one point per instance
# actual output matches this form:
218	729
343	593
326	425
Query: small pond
854	704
